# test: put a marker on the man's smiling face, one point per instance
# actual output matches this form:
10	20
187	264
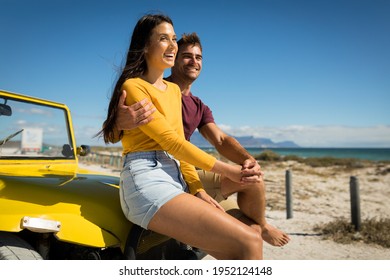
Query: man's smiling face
188	62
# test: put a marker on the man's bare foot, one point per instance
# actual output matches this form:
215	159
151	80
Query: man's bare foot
274	236
269	233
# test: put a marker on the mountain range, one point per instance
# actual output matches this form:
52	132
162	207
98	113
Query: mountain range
246	141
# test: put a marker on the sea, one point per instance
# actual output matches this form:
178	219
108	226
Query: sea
374	154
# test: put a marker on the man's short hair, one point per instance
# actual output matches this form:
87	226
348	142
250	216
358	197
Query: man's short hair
189	39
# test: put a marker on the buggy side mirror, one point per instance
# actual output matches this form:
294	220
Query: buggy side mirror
67	151
5	110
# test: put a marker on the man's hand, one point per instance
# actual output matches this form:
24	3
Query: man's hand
130	117
206	197
251	171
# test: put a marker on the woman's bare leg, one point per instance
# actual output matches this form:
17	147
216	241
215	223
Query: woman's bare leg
192	221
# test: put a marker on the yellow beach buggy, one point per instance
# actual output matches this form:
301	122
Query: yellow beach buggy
52	209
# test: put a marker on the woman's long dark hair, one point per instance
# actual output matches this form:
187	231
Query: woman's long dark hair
135	66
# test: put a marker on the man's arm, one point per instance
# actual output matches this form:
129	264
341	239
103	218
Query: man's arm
226	145
231	149
132	116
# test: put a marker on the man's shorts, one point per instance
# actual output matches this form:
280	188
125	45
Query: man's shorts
212	185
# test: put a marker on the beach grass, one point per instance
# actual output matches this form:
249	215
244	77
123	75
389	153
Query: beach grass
373	231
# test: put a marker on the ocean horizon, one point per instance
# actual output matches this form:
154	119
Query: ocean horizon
374	154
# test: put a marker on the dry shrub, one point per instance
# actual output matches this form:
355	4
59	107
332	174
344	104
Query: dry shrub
372	231
268	155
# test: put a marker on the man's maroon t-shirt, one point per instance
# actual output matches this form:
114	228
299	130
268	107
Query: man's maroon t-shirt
195	114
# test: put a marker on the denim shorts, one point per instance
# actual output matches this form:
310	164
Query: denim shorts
148	180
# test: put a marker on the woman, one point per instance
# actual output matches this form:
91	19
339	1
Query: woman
157	191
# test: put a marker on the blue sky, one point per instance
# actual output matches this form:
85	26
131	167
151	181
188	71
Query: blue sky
314	72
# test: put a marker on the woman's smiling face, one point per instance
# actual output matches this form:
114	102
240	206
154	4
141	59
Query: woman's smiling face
161	50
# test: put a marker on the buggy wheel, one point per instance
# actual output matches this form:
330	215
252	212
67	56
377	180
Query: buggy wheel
13	247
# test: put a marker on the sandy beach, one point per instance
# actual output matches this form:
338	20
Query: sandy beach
320	195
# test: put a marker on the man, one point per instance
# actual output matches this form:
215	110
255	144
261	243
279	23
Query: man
250	197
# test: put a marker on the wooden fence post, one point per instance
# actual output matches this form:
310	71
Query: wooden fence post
355	202
119	162
289	194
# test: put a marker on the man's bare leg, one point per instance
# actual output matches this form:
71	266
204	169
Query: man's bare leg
251	201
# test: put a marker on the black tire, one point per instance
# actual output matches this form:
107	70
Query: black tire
13	247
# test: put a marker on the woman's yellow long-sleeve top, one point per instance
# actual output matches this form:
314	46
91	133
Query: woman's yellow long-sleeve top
165	131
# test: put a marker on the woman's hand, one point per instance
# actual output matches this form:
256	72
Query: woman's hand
206	197
237	173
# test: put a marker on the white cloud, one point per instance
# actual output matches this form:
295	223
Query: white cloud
85	135
319	136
